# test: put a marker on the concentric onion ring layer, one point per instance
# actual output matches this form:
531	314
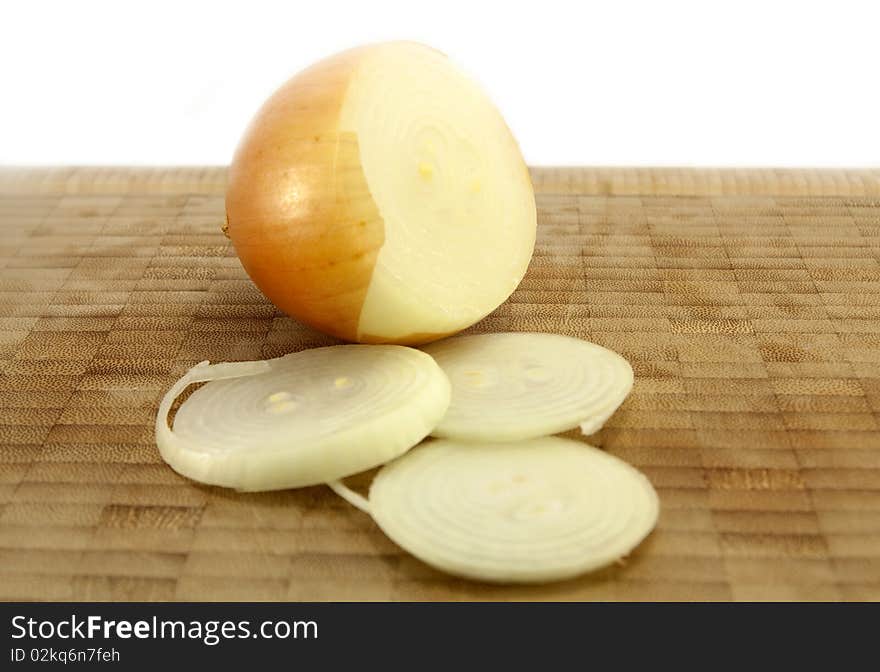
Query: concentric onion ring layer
313	416
522	385
519	512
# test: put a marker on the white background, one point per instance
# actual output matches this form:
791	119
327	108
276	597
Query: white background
615	82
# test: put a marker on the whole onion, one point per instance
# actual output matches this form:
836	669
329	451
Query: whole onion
379	196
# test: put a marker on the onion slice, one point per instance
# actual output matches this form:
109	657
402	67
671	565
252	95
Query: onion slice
523	385
517	512
356	499
302	419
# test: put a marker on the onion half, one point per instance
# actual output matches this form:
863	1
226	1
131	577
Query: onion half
379	196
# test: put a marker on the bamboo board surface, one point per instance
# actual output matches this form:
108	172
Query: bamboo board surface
747	301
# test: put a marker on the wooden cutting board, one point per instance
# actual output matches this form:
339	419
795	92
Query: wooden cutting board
748	302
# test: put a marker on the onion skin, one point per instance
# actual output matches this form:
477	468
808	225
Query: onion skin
307	233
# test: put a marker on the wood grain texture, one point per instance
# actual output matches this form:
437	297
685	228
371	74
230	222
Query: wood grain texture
748	303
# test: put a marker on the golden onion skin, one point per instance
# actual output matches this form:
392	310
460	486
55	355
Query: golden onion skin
307	233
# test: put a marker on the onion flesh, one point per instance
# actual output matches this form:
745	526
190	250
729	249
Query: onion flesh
302	419
517	512
523	385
